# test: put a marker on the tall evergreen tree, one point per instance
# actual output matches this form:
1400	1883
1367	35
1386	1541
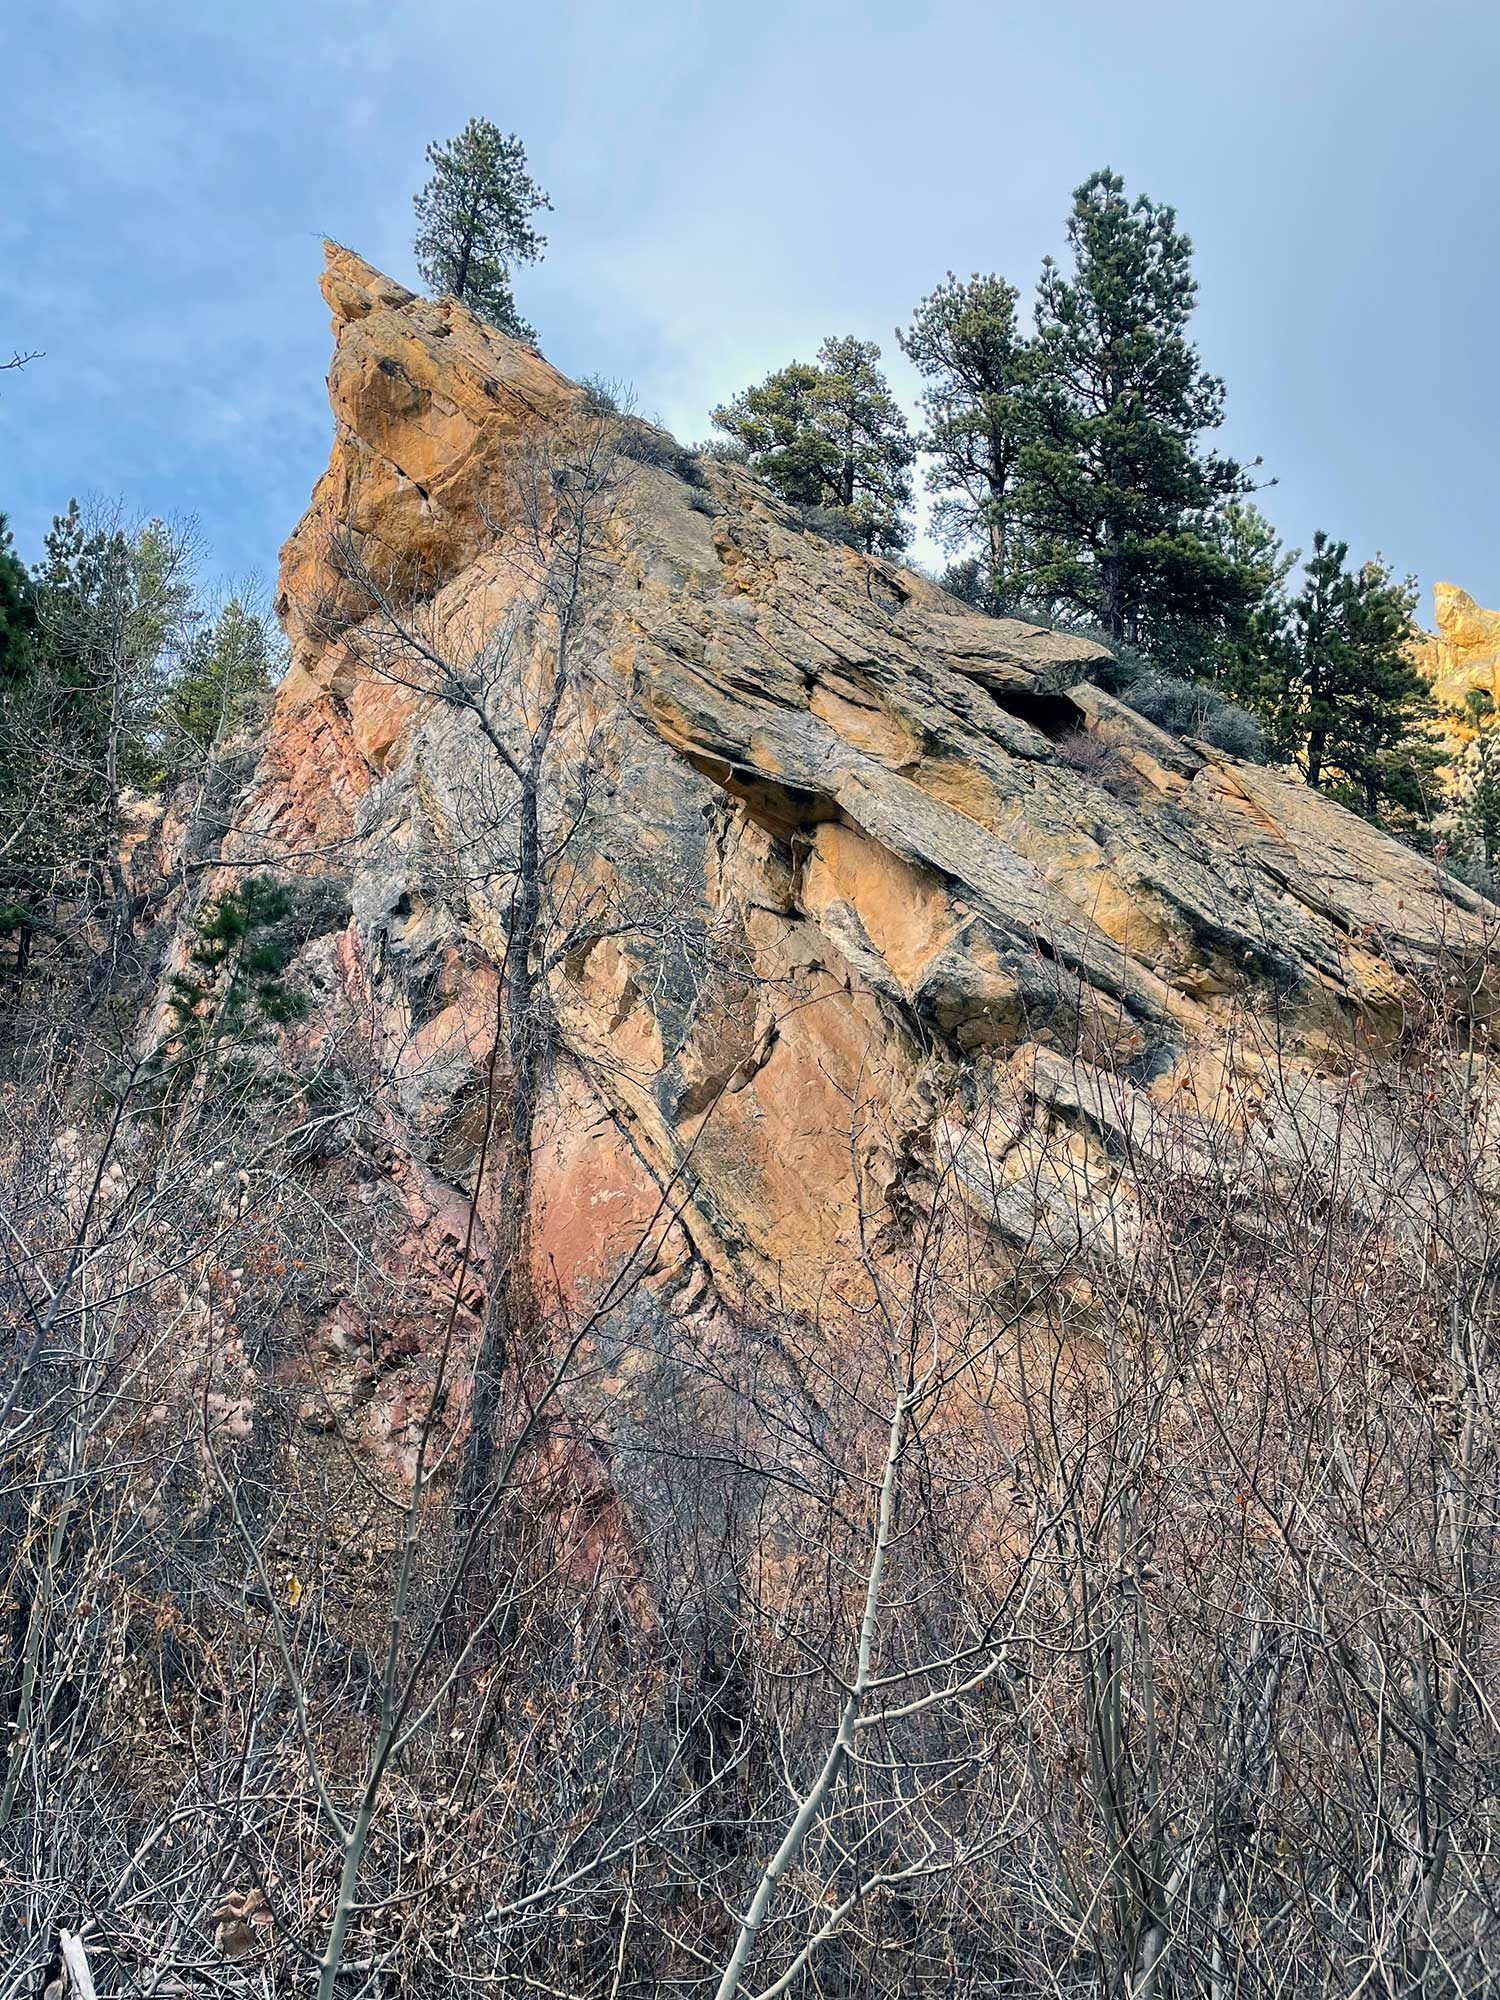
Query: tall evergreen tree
474	216
23	781
226	671
113	606
780	428
978	365
17	613
1238	647
832	436
1348	700
1117	489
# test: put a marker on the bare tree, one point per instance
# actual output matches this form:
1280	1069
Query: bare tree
515	665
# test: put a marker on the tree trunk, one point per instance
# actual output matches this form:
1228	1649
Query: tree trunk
512	1304
466	252
1112	595
997	478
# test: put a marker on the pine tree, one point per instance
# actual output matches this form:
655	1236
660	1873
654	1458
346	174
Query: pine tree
965	341
1116	488
831	436
20	780
113	606
81	591
227	670
475	222
1237	649
972	581
236	987
17	613
1350	702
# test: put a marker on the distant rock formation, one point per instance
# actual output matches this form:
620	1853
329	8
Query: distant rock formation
1464	652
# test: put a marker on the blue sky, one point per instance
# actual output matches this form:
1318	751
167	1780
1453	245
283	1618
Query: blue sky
730	185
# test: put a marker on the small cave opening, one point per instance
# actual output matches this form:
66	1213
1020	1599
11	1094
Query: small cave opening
1055	715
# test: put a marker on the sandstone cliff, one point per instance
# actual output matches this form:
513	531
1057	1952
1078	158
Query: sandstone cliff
943	908
1463	654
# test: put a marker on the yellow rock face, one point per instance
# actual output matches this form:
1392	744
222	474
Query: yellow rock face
426	398
1464	652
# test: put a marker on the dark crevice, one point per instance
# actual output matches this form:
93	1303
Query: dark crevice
1055	715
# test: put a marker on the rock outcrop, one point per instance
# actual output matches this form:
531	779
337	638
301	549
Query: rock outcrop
1461	658
906	895
1463	654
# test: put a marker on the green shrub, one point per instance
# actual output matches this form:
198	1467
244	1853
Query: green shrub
232	991
723	451
832	523
1188	708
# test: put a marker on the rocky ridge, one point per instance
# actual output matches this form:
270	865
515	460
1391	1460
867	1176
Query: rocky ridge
944	909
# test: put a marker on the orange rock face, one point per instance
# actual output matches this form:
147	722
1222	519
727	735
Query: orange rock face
424	398
864	921
1461	659
1463	654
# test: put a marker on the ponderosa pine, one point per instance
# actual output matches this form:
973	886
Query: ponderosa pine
831	435
475	226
